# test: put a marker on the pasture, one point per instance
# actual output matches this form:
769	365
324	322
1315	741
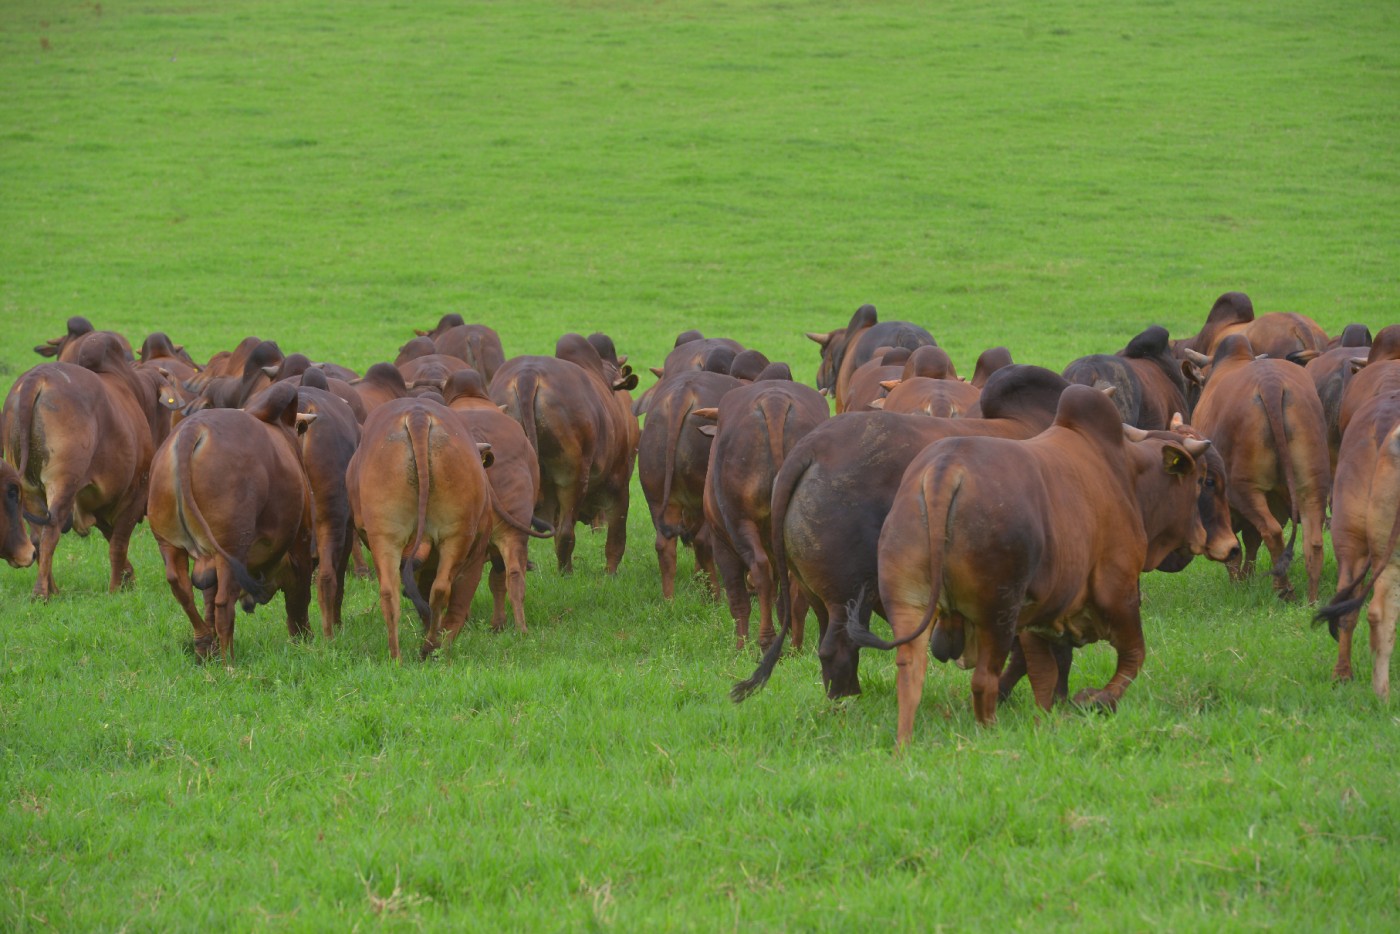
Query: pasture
1053	177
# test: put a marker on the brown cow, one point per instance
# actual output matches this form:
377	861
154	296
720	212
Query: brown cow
867	382
233	388
514	476
1382	535
755	428
691	352
1266	420
835	489
1380	373
1280	334
81	436
1331	373
575	410
845	349
228	489
418	480
79	330
430	371
15	546
929	385
476	345
673	457
381	383
1039	539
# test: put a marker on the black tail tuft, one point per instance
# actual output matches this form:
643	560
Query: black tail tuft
408	571
741	691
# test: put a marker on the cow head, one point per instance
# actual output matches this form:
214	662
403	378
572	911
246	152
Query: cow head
15	546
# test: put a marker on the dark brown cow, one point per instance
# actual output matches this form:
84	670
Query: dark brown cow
228	490
1377	375
845	349
15	546
1382	535
1266	420
418	481
81	436
418	347
1147	380
756	426
1039	539
1361	460
225	363
673	457
1162	518
576	412
514	475
79	330
988	362
158	347
835	489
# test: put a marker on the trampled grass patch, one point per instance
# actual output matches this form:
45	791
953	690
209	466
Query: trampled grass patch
1053	177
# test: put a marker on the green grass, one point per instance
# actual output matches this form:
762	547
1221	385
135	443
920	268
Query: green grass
1053	177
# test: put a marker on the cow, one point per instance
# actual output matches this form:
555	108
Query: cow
575	411
514	477
78	330
1037	539
845	349
988	362
15	546
1162	516
430	371
159	348
1380	372
867	382
234	388
381	383
1267	422
754	428
1280	334
81	436
691	352
228	489
1331	373
418	481
1149	386
1361	463
929	385
673	456
474	344
835	489
1383	570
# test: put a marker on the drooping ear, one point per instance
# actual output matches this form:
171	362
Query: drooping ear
487	458
1176	461
822	339
627	382
271	371
304	420
1177	422
1301	357
889	384
708	430
47	349
420	333
1134	433
1193	373
877	403
710	412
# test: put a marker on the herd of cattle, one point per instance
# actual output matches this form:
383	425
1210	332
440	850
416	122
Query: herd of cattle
1000	521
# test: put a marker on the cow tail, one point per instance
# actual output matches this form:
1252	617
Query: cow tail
17	444
536	528
187	507
939	492
1273	409
783	486
418	426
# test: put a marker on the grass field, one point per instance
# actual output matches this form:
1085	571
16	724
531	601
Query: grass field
1051	176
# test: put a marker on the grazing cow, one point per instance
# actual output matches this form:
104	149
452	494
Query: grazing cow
1383	569
1266	420
673	456
228	489
755	428
417	481
929	385
81	436
15	546
79	329
835	489
1162	518
514	476
845	349
575	411
381	383
1038	539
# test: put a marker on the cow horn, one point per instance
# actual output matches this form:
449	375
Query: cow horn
1177	421
710	412
1134	433
819	338
877	403
1196	446
889	384
1105	387
1195	356
271	371
656	371
1358	362
825	390
622	360
304	420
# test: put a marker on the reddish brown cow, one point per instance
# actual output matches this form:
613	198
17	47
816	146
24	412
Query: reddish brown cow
845	349
1380	373
418	480
673	457
835	489
430	371
1279	334
476	345
233	389
691	352
228	490
1039	539
575	411
514	476
988	362
79	330
381	383
867	383
15	546
1331	373
1266	420
81	436
1360	461
755	428
929	385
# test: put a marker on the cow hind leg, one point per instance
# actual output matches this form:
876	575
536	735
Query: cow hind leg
666	560
459	603
731	575
385	553
496	581
517	557
123	575
1381	616
617	534
177	575
1125	623
797	613
1254	509
911	668
60	505
225	608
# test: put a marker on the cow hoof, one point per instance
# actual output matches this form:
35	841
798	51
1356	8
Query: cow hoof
1096	700
1341	674
204	648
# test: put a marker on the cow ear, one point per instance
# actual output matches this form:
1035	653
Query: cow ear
710	412
49	349
1176	461
270	371
487	458
877	403
1193	373
304	420
708	430
627	382
420	333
